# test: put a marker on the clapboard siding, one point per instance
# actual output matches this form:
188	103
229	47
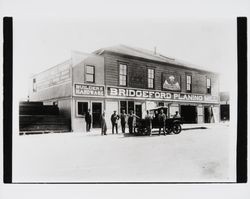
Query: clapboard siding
137	74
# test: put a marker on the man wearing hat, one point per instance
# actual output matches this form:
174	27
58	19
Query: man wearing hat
114	121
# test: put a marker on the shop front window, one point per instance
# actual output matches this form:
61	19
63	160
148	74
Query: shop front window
131	106
161	104
82	108
123	106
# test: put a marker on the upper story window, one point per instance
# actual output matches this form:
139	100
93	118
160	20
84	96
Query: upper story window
208	85
34	85
151	78
90	74
122	74
189	83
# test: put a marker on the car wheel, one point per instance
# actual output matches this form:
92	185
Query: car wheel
176	128
168	130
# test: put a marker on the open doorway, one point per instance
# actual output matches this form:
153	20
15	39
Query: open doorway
138	110
189	114
96	114
207	114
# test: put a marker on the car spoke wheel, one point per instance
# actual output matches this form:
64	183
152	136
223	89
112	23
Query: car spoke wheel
176	128
168	130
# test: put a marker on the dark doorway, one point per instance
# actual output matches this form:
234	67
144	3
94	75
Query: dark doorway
207	114
189	114
138	110
96	114
224	112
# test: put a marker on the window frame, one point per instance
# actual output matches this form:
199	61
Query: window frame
119	74
77	103
191	79
208	89
89	74
148	78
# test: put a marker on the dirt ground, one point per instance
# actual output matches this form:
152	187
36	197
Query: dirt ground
198	155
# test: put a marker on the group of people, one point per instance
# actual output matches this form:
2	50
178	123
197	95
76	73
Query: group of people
160	119
125	118
129	119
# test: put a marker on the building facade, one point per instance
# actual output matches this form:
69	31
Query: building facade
123	77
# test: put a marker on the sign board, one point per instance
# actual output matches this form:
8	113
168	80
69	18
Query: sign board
89	90
171	82
149	94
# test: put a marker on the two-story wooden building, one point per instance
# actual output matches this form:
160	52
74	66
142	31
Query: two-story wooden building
123	77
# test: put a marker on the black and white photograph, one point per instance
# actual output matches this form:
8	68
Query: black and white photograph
124	100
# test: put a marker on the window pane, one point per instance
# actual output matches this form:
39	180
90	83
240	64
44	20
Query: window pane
89	78
82	108
130	106
208	83
189	79
151	73
123	69
188	87
90	69
122	80
150	83
123	106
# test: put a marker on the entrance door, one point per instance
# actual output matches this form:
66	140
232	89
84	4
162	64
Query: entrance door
96	114
189	114
224	112
207	114
138	110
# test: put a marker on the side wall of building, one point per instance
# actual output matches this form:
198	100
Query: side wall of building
92	60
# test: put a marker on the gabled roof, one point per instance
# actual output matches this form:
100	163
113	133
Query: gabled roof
147	54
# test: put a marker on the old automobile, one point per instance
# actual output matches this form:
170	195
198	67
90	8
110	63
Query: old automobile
172	124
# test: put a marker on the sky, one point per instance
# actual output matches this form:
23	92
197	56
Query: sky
42	43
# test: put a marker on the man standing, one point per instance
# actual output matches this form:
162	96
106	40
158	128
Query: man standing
148	120
103	124
88	120
114	121
162	119
131	121
123	120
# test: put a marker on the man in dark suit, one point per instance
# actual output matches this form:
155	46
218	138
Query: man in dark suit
123	120
88	120
114	121
162	120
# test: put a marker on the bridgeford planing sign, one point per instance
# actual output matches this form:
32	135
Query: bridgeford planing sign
137	93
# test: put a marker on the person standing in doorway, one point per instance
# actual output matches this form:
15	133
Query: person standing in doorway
162	120
176	115
148	119
88	120
123	120
103	124
131	121
114	121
